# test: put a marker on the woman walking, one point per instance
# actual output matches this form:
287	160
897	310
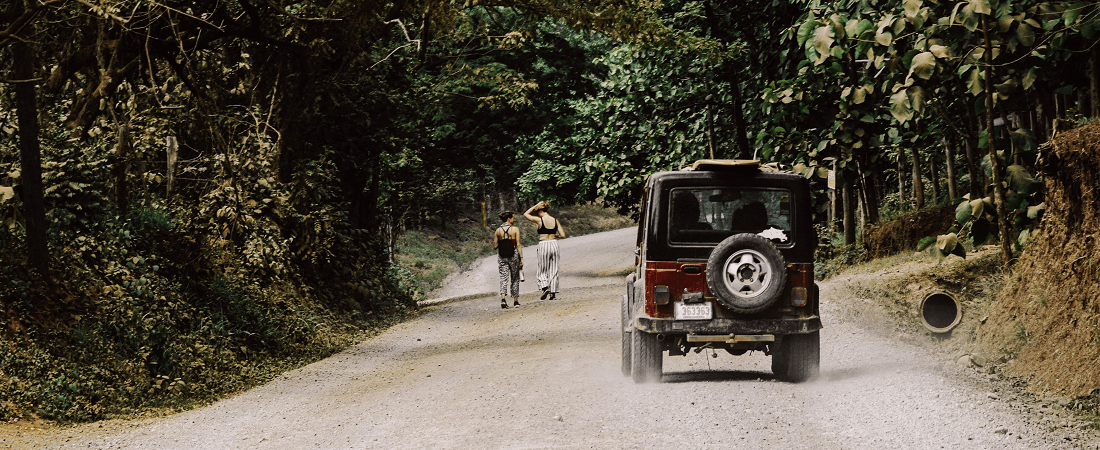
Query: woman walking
509	257
550	230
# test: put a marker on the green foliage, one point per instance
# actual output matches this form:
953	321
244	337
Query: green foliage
841	258
976	219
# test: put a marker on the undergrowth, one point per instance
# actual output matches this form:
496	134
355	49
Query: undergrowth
150	312
145	313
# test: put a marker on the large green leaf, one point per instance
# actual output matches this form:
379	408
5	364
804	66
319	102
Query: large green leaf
1025	34
805	31
1073	12
1029	77
855	28
966	16
925	242
900	107
946	243
981	7
977	208
974	82
1008	87
923	65
1021	181
1091	28
987	168
1034	212
963	213
916	99
1024	140
859	95
912	7
884	39
823	40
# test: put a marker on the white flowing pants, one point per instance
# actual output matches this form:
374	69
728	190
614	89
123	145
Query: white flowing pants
548	265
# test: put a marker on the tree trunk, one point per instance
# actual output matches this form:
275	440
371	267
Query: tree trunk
870	196
26	109
949	168
868	187
1083	108
918	182
998	190
902	198
1094	82
710	122
122	169
727	73
834	199
934	171
849	210
742	135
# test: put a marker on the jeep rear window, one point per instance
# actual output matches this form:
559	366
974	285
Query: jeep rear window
709	215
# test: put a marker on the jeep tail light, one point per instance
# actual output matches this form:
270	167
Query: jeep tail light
800	296
801	278
661	294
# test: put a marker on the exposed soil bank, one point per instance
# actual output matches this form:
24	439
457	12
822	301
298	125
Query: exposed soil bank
1045	323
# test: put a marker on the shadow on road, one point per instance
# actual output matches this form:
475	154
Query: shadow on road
715	375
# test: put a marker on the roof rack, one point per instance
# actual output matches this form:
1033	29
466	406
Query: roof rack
724	164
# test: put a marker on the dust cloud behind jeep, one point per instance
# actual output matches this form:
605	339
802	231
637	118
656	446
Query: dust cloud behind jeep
725	260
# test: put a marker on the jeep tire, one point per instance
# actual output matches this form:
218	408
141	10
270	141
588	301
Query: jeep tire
746	273
797	357
627	340
647	360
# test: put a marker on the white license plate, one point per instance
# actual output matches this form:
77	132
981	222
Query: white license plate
690	311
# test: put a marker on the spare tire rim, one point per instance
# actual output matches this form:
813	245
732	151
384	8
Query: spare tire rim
747	274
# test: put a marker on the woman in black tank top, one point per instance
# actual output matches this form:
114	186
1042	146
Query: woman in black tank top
540	214
548	247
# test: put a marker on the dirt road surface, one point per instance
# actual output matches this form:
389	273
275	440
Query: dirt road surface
468	375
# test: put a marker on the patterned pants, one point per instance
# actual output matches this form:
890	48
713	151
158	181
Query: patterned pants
509	275
548	265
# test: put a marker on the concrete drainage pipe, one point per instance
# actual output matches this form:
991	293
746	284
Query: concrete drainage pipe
940	312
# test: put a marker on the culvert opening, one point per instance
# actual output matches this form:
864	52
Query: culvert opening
940	312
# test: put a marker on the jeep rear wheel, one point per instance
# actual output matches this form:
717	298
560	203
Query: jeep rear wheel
797	358
647	361
746	273
627	340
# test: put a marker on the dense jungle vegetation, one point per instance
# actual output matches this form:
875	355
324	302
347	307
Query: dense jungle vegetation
196	194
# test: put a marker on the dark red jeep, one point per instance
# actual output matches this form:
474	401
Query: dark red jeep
725	260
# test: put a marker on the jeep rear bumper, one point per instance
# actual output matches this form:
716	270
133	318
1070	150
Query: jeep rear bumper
783	326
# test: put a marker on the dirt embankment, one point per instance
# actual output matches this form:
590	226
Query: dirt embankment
902	234
1046	320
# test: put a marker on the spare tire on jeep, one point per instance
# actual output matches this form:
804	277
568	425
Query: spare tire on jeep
746	273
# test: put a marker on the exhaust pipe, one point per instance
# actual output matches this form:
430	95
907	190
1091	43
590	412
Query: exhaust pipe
940	312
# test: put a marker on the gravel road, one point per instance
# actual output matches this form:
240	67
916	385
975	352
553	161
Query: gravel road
468	375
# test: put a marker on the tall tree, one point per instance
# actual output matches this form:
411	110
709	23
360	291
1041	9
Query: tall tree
34	210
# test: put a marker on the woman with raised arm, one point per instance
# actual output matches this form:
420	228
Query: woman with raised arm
550	230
